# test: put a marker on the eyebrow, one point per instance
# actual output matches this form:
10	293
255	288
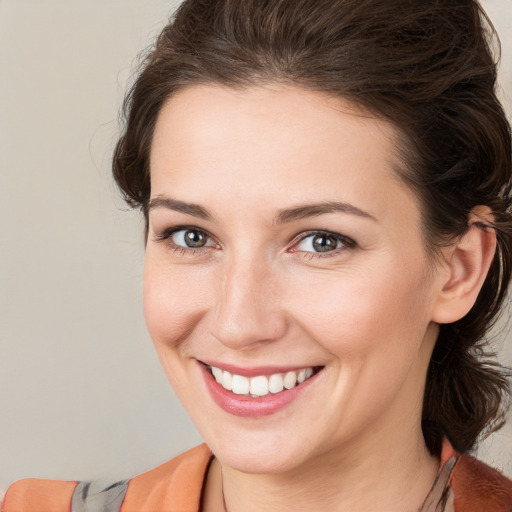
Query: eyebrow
313	210
179	206
283	216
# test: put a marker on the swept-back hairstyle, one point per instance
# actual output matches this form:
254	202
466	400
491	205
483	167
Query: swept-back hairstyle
428	67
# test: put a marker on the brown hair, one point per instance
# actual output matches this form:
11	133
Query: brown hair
427	66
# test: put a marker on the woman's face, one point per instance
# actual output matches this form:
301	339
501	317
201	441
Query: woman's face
281	240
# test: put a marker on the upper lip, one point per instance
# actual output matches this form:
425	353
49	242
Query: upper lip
254	371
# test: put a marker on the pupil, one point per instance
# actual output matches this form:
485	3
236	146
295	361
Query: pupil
195	239
324	243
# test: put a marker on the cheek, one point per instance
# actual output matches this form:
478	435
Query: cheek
174	301
173	306
373	324
366	310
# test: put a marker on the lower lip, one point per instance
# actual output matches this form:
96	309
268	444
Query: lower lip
241	405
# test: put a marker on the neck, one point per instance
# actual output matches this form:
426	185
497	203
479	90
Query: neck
362	479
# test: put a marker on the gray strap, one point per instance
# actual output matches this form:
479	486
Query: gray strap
99	496
440	497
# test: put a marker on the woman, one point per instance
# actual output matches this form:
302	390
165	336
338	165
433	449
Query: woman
327	192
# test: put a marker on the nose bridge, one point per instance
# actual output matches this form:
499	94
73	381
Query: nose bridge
248	309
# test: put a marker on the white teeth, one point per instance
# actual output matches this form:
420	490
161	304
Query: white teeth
275	383
227	380
260	385
217	373
240	385
290	379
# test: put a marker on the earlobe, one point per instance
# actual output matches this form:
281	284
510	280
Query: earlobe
468	261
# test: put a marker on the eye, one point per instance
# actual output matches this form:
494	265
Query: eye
191	238
323	242
186	239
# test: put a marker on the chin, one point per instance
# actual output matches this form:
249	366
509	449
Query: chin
259	456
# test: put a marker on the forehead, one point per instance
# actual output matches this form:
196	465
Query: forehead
217	115
281	143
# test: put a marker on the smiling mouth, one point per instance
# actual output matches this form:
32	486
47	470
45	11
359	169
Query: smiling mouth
261	385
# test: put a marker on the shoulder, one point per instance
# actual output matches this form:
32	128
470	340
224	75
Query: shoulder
174	486
37	494
479	488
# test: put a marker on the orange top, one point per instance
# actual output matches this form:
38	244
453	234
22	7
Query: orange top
480	488
38	495
175	486
464	484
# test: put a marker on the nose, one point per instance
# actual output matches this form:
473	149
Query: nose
248	309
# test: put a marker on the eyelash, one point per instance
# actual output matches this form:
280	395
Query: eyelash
347	243
166	235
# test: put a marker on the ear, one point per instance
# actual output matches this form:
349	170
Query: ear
467	262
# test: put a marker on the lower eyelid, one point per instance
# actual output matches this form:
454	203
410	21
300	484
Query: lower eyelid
184	251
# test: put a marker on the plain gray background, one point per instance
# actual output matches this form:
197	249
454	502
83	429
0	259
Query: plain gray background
82	394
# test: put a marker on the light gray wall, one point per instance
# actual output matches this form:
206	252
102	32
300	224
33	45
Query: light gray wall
82	394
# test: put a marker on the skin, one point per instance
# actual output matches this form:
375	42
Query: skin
257	294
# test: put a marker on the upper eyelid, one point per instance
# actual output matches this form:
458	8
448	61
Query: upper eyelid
306	234
170	231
